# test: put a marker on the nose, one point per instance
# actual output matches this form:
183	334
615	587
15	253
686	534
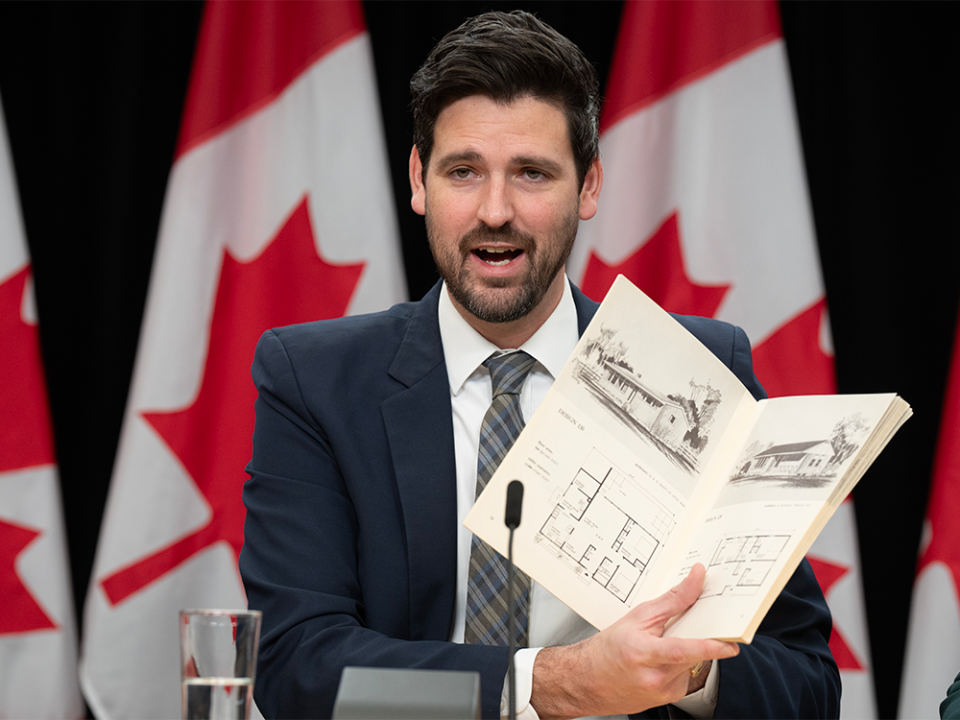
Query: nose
496	207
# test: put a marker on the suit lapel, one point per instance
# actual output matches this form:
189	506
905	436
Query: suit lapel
419	426
586	309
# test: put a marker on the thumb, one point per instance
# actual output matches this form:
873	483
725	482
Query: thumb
656	612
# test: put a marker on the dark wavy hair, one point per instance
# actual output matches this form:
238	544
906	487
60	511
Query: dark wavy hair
506	56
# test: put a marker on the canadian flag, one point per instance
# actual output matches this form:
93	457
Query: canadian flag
278	211
705	208
38	645
933	636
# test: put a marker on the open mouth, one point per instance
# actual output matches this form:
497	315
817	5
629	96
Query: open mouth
497	256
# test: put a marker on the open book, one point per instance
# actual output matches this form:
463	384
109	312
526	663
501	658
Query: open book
648	455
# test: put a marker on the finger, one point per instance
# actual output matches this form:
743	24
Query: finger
715	650
683	653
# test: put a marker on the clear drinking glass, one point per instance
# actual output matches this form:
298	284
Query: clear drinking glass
218	663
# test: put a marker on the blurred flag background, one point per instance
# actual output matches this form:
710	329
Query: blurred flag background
103	143
705	207
277	211
38	642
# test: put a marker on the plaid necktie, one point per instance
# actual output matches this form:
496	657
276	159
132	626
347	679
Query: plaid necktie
487	612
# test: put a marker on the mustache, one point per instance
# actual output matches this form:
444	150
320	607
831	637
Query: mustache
505	233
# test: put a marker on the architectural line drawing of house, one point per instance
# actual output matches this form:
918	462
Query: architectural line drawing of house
665	418
674	420
803	464
799	459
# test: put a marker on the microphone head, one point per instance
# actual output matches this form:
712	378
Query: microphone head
511	516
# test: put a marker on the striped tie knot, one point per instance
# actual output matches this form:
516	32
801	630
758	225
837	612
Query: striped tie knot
508	371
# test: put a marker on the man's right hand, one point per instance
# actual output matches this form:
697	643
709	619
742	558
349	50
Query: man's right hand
629	666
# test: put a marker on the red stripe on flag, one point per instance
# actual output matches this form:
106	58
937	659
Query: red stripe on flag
666	44
238	67
26	432
944	544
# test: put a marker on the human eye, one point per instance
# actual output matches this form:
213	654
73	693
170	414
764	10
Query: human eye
534	174
461	173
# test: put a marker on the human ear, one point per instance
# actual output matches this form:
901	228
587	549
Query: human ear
590	193
418	198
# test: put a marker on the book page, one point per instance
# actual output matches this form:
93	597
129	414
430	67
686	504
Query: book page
783	480
614	460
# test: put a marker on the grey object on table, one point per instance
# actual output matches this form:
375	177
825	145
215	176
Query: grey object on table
401	694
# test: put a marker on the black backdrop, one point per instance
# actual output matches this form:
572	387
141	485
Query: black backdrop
93	93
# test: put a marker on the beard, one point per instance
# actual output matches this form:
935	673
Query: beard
502	300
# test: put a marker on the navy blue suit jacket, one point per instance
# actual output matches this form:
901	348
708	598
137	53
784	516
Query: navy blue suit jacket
351	533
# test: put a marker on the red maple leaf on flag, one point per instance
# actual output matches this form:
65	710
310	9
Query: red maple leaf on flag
26	440
828	573
788	362
288	283
26	435
791	362
657	267
21	611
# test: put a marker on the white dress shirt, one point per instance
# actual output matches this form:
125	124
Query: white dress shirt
471	392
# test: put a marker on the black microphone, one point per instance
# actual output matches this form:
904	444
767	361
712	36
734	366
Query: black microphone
511	518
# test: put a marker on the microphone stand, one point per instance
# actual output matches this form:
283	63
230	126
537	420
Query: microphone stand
512	520
512	628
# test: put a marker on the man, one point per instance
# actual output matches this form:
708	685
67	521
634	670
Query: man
366	445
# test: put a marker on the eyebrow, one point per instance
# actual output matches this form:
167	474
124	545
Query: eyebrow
472	156
546	164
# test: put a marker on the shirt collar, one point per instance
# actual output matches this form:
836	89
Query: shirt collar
465	349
